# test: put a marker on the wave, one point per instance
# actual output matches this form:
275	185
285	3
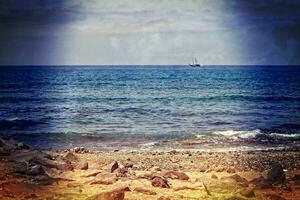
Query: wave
256	134
16	123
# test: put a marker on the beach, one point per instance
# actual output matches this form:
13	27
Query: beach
79	173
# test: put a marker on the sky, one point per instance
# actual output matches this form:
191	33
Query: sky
136	32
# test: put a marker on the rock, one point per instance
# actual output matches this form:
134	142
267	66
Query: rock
70	157
128	165
44	180
221	169
108	196
115	194
105	181
158	181
213	176
230	170
64	166
261	183
276	174
238	179
249	193
112	166
176	175
95	173
84	166
22	146
124	172
16	168
80	150
35	170
184	188
296	180
164	198
144	191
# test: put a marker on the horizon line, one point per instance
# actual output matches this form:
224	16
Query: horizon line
136	65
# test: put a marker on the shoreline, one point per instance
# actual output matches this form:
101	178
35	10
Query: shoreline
80	173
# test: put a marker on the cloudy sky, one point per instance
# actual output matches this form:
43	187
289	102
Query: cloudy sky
54	32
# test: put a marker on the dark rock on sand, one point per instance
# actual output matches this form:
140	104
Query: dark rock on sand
105	178
112	166
116	194
261	183
125	172
22	146
80	150
70	157
144	191
44	180
276	174
176	175
249	193
161	182
35	170
84	165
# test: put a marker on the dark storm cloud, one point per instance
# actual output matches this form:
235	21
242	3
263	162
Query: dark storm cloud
157	31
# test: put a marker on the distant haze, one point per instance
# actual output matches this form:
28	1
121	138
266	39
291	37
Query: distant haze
54	32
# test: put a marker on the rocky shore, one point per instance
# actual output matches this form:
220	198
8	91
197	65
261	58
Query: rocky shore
27	173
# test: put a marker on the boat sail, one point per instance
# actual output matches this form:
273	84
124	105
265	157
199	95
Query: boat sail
195	63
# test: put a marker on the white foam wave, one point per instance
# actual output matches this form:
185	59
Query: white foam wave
252	134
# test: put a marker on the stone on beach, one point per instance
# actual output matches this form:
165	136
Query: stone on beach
115	194
84	165
105	181
184	188
70	157
236	179
276	174
176	175
161	182
249	193
261	183
104	178
112	166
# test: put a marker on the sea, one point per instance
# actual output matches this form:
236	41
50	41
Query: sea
160	108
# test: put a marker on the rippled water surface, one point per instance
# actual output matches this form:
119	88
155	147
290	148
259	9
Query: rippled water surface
150	106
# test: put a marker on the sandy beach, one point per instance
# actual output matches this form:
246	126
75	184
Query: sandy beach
78	173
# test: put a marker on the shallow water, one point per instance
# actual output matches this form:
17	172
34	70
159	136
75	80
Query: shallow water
107	107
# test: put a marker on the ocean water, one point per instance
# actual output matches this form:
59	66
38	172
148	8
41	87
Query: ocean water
151	107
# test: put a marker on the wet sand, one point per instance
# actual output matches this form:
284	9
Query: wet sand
26	173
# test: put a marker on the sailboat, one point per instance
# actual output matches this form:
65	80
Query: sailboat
195	63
